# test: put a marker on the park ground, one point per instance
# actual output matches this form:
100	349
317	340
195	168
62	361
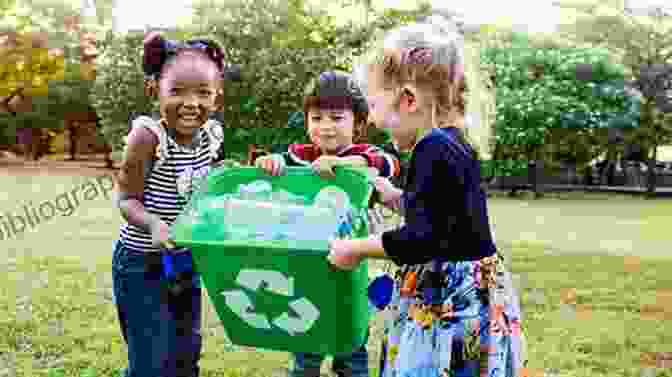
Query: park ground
607	257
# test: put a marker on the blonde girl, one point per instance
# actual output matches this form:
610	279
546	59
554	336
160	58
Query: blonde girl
453	310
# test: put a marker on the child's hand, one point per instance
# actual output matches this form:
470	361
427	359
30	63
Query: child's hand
161	235
344	255
324	166
271	165
388	193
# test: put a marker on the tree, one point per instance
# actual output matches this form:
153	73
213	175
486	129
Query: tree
26	62
26	67
544	113
280	47
118	88
47	59
642	40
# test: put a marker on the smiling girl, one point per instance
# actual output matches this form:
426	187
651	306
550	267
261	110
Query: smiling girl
162	161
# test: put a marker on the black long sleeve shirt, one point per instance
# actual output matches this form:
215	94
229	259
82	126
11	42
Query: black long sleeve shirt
445	205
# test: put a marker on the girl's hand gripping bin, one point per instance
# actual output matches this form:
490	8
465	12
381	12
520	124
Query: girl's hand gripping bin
284	295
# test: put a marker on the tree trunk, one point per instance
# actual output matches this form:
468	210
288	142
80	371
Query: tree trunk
651	181
72	127
533	177
35	142
611	166
109	163
533	174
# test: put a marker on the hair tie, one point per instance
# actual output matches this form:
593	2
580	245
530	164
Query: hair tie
155	54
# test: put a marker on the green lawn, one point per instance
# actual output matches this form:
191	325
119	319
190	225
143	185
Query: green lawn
571	246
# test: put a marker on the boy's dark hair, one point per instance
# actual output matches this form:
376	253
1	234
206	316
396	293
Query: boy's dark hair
338	90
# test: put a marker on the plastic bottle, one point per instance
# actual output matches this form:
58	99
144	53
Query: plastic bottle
282	196
266	220
208	219
257	190
338	202
334	198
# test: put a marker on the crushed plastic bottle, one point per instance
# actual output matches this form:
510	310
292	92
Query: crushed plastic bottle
334	198
207	219
282	196
257	212
338	202
257	190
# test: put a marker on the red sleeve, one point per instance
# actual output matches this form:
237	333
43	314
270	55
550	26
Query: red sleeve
302	154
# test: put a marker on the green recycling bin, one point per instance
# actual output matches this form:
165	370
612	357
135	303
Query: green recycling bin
284	295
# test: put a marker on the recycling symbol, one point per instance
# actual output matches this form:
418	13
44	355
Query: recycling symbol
239	302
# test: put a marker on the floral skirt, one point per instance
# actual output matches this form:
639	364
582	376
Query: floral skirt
463	321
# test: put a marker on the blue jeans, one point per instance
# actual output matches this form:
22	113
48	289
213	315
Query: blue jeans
162	331
355	364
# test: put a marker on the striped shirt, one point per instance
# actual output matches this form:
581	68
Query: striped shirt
169	183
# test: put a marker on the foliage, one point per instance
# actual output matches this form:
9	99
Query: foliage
26	16
118	89
36	47
279	45
27	70
62	96
279	61
40	64
540	99
68	95
640	38
504	168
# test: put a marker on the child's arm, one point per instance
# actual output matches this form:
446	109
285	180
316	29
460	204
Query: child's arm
431	217
273	164
389	195
364	155
352	161
131	180
431	213
296	155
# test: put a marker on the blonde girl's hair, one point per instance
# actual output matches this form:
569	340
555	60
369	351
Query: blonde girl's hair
433	56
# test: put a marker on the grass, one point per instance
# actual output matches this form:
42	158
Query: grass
57	317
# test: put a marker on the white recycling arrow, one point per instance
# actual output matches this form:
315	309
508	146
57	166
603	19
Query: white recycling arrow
276	281
307	312
240	304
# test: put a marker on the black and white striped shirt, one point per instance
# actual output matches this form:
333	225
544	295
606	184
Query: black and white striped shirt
168	185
